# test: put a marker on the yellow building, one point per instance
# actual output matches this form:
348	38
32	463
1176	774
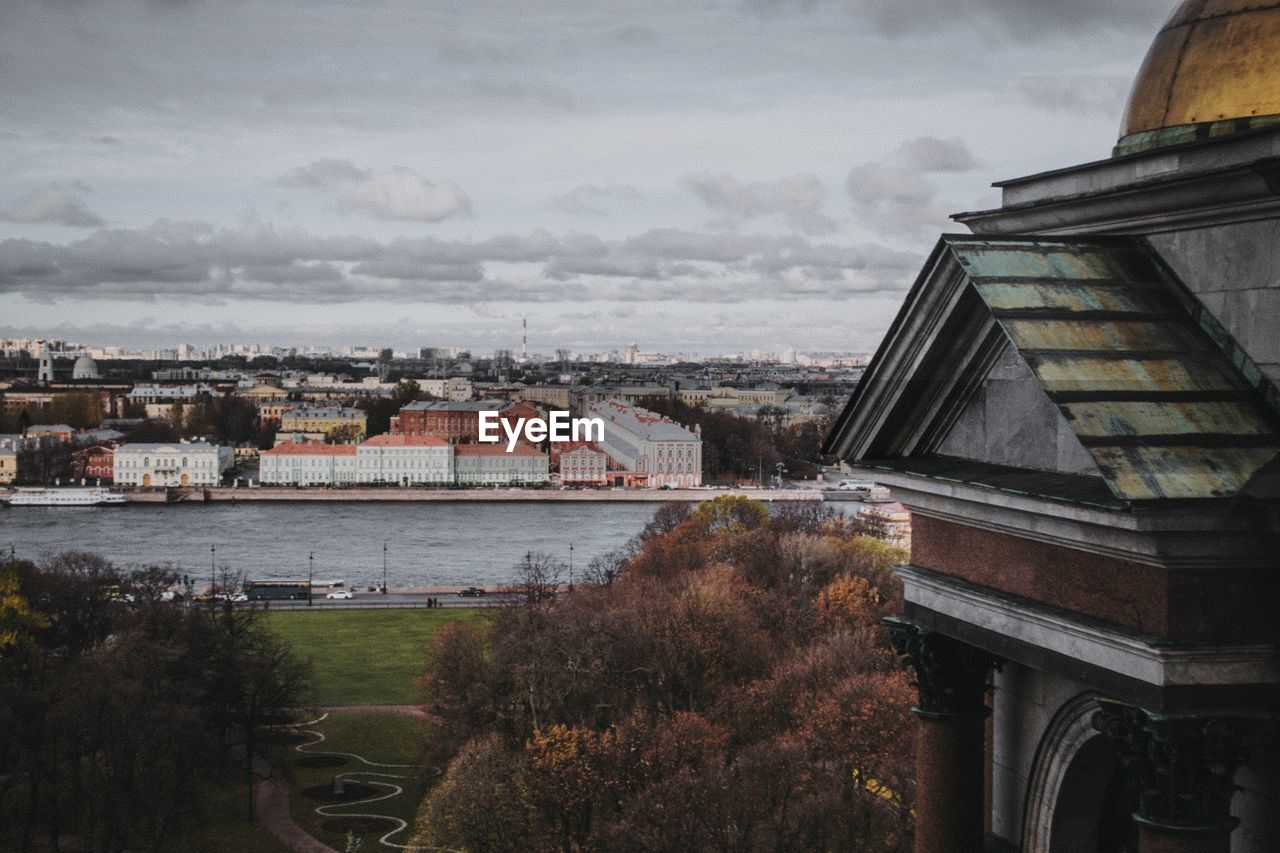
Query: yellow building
8	466
342	422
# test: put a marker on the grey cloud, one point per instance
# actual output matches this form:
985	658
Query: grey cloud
199	262
1078	93
325	173
797	199
50	206
892	196
1029	20
594	199
931	154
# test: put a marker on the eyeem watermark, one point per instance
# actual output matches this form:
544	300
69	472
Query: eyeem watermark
558	426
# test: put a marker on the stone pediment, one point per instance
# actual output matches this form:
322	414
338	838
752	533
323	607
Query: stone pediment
1083	357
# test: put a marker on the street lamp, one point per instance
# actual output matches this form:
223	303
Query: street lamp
384	568
570	567
311	567
213	572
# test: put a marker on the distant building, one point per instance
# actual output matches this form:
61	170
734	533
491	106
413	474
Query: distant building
45	371
405	460
85	368
457	423
94	463
8	465
333	421
492	465
60	433
643	442
194	464
309	464
455	390
584	466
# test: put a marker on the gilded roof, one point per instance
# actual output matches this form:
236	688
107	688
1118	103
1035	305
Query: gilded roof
1214	68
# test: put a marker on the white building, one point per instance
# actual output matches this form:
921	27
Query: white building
405	460
195	464
455	389
309	464
170	393
647	443
492	465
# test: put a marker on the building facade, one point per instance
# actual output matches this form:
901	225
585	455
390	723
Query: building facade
148	465
1079	406
492	465
342	422
8	466
94	463
642	442
405	460
456	423
309	464
584	466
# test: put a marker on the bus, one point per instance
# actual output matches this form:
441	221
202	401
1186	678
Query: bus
278	590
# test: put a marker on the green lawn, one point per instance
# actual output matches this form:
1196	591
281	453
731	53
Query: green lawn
365	657
387	738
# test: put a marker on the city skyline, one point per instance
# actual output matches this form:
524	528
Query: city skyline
704	177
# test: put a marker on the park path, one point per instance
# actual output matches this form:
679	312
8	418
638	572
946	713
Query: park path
407	710
271	805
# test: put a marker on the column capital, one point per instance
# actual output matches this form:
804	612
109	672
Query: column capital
951	676
1182	765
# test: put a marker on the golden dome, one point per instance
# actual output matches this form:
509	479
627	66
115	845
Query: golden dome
1213	69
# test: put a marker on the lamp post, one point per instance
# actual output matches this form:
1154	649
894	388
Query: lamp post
384	568
570	567
213	572
311	567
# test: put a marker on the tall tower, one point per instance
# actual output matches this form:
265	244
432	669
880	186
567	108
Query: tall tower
45	373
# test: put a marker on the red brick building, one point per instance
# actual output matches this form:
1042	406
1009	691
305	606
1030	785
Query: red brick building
456	422
94	463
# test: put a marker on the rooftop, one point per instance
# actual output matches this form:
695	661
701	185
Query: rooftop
310	448
404	441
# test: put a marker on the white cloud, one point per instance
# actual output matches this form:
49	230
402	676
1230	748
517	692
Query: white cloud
51	206
404	194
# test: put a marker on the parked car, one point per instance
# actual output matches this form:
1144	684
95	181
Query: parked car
471	592
340	594
861	487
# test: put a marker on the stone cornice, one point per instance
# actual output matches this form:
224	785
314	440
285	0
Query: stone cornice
1166	537
1134	657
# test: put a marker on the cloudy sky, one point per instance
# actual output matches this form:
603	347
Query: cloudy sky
697	175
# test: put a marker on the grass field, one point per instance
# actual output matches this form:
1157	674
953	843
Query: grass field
386	738
365	657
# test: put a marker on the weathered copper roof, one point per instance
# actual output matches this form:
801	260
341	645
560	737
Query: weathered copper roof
1165	403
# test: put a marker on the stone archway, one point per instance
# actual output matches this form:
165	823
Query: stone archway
146	479
1076	799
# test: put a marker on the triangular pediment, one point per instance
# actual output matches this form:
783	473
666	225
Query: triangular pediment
1009	420
1082	357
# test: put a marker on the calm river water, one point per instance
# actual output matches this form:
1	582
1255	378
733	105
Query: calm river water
427	543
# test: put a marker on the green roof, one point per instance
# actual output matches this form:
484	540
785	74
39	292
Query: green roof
1152	387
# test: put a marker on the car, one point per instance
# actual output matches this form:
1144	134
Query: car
471	592
860	487
340	595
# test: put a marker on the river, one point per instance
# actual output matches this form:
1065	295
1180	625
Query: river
428	544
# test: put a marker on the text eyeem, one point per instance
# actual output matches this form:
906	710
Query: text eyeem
556	427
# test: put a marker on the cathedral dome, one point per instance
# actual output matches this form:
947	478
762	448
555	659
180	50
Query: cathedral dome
1213	70
85	368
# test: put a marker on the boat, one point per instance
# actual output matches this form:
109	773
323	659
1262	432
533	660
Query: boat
64	497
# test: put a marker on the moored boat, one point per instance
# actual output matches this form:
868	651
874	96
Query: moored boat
64	497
